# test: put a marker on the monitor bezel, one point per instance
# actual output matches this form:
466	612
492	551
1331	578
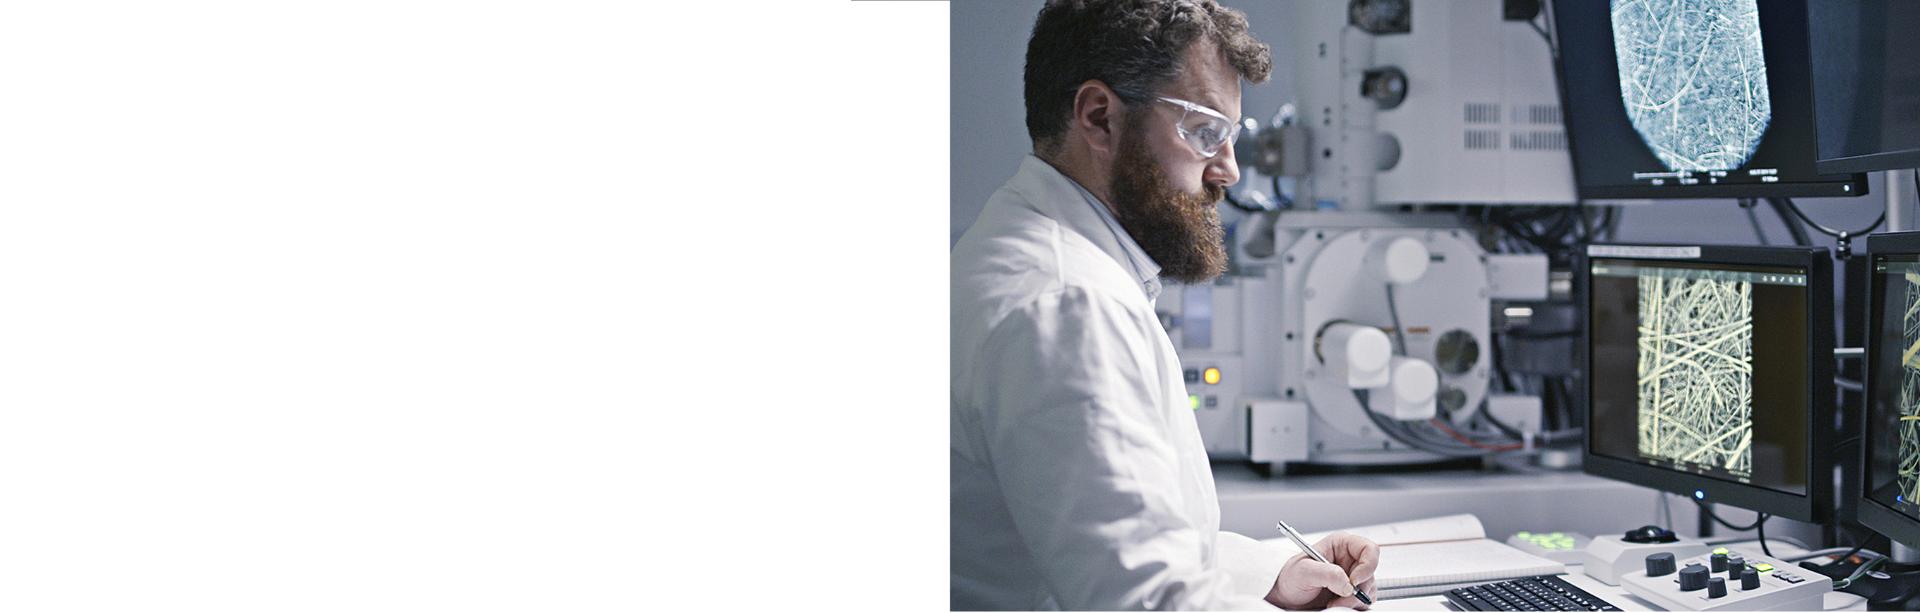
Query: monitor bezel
1853	186
1814	506
1869	512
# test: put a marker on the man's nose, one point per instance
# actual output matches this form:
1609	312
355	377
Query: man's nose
1223	170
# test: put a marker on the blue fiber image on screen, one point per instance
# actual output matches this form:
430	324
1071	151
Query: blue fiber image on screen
1693	78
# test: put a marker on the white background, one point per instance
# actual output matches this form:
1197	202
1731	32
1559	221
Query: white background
404	306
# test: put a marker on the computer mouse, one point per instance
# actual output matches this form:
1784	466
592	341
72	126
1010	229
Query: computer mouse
1650	534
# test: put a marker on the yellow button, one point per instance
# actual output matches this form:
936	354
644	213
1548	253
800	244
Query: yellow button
1763	567
1211	376
1720	550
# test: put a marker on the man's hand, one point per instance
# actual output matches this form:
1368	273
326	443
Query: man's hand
1307	584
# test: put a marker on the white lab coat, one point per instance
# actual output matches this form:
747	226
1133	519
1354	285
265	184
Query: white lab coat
1079	480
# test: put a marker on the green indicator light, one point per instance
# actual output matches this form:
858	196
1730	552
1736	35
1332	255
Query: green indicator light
1720	550
1526	535
1194	400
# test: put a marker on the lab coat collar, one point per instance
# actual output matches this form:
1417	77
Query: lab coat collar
1092	220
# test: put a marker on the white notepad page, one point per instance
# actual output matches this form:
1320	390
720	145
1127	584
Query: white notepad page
1430	556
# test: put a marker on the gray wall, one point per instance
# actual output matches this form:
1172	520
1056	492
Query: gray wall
989	133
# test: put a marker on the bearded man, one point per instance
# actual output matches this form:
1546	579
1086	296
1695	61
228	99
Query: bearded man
1079	479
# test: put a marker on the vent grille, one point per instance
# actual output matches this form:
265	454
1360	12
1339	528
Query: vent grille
1537	141
1483	139
1483	112
1543	114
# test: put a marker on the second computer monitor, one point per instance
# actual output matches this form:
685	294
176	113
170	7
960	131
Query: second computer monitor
1890	500
1708	373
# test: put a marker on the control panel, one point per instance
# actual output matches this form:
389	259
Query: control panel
1727	580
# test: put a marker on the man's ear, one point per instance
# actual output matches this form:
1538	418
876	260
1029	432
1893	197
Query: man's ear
1096	112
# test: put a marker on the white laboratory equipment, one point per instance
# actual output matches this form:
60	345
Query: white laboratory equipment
1354	314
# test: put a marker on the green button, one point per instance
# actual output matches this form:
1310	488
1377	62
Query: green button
1557	535
1525	535
1763	567
1720	550
1195	401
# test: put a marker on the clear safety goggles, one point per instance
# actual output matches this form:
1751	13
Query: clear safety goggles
1205	130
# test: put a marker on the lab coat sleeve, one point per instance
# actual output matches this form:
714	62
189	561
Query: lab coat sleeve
1080	443
1252	564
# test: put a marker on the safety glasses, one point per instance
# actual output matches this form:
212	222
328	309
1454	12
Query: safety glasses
1205	130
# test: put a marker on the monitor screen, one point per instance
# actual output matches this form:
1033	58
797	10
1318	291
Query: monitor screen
1701	369
1892	440
1866	84
1703	99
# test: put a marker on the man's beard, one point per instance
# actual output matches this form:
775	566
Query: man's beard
1180	231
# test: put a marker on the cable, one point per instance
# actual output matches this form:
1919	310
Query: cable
1844	237
1399	337
1443	427
1864	568
1760	528
1280	196
1666	511
1406	436
1843	551
1754	218
1794	228
1762	518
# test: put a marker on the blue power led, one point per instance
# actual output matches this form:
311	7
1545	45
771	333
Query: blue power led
1699	494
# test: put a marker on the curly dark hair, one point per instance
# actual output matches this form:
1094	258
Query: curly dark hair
1133	46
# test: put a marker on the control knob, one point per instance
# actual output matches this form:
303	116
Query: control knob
1660	564
1693	578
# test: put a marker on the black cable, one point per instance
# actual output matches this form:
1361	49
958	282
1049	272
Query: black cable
1754	218
1498	425
1794	228
1760	527
1708	511
1847	555
1279	196
1844	237
1830	231
1406	436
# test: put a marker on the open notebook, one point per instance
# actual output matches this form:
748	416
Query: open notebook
1431	556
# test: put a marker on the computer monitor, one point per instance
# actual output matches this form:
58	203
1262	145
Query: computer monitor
1890	441
1866	84
1708	372
1700	99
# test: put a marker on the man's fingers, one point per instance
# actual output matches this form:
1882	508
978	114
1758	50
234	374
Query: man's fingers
1327	576
1358	555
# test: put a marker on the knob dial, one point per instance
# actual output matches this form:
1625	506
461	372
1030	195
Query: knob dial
1693	578
1749	579
1718	562
1735	566
1660	564
1716	587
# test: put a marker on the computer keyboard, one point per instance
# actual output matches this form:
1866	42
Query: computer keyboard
1542	593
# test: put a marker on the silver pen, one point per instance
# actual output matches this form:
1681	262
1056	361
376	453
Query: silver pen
1289	531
